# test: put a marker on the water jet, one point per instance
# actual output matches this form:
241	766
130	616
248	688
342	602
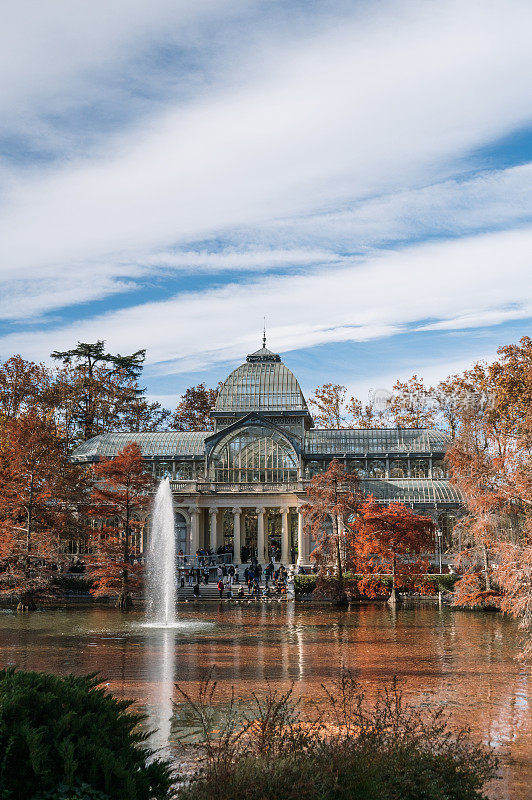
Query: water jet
160	565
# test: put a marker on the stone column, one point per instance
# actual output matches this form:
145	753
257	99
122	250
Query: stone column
301	544
260	535
194	530
236	535
213	529
285	537
220	528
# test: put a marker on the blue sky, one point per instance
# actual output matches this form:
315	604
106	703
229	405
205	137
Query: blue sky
358	172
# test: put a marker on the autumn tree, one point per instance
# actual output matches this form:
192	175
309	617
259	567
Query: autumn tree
491	463
371	414
121	492
411	404
41	494
330	405
24	386
193	410
385	533
333	500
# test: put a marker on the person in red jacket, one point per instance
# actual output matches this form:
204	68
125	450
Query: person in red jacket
221	588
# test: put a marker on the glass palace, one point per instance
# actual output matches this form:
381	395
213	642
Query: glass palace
239	488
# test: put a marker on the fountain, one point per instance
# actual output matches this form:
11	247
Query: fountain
161	568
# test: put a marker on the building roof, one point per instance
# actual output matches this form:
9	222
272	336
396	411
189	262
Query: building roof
262	383
375	440
412	490
350	442
167	444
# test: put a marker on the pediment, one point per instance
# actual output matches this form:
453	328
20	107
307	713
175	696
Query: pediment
254	418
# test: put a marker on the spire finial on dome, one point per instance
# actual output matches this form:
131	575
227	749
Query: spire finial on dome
264	333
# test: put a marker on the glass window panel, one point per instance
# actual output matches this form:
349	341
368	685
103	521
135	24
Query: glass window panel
398	469
439	470
254	455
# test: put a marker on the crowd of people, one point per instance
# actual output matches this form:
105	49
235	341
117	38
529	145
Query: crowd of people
232	582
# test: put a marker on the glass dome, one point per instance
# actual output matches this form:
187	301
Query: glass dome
263	383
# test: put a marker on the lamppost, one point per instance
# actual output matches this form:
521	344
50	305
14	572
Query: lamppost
439	535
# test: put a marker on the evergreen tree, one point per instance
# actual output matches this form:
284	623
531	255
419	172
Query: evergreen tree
66	737
98	384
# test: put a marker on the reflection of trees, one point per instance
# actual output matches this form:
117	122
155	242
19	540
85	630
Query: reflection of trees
465	660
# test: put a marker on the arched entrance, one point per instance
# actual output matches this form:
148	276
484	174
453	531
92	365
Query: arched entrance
254	454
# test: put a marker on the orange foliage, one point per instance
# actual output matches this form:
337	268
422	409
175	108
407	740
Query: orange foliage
120	491
424	587
384	532
372	587
40	492
333	500
491	463
193	412
469	592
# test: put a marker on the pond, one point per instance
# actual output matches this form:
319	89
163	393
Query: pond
465	660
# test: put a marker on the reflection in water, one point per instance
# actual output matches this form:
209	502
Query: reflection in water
464	660
162	676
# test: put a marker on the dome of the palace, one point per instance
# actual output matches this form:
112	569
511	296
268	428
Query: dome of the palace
262	383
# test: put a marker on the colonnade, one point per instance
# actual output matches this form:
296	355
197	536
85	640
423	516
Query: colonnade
212	531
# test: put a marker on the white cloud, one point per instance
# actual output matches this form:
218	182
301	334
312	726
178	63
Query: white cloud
467	278
25	298
376	103
375	113
59	54
231	259
490	199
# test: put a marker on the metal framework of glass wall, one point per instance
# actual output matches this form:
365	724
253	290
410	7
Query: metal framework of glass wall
252	455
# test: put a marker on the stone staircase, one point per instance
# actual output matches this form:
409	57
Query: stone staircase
210	592
207	592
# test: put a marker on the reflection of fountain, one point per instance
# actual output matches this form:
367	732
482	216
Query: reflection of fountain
160	581
162	670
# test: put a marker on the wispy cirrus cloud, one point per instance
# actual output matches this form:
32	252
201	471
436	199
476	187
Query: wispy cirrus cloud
382	295
242	259
161	141
352	112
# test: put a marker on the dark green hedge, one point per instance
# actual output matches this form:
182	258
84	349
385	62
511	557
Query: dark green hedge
66	737
72	584
305	584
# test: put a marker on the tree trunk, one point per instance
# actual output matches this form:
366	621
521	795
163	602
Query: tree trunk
26	603
125	601
342	599
486	568
339	569
394	596
29	518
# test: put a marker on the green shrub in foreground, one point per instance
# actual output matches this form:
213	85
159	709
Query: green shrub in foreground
351	750
67	738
